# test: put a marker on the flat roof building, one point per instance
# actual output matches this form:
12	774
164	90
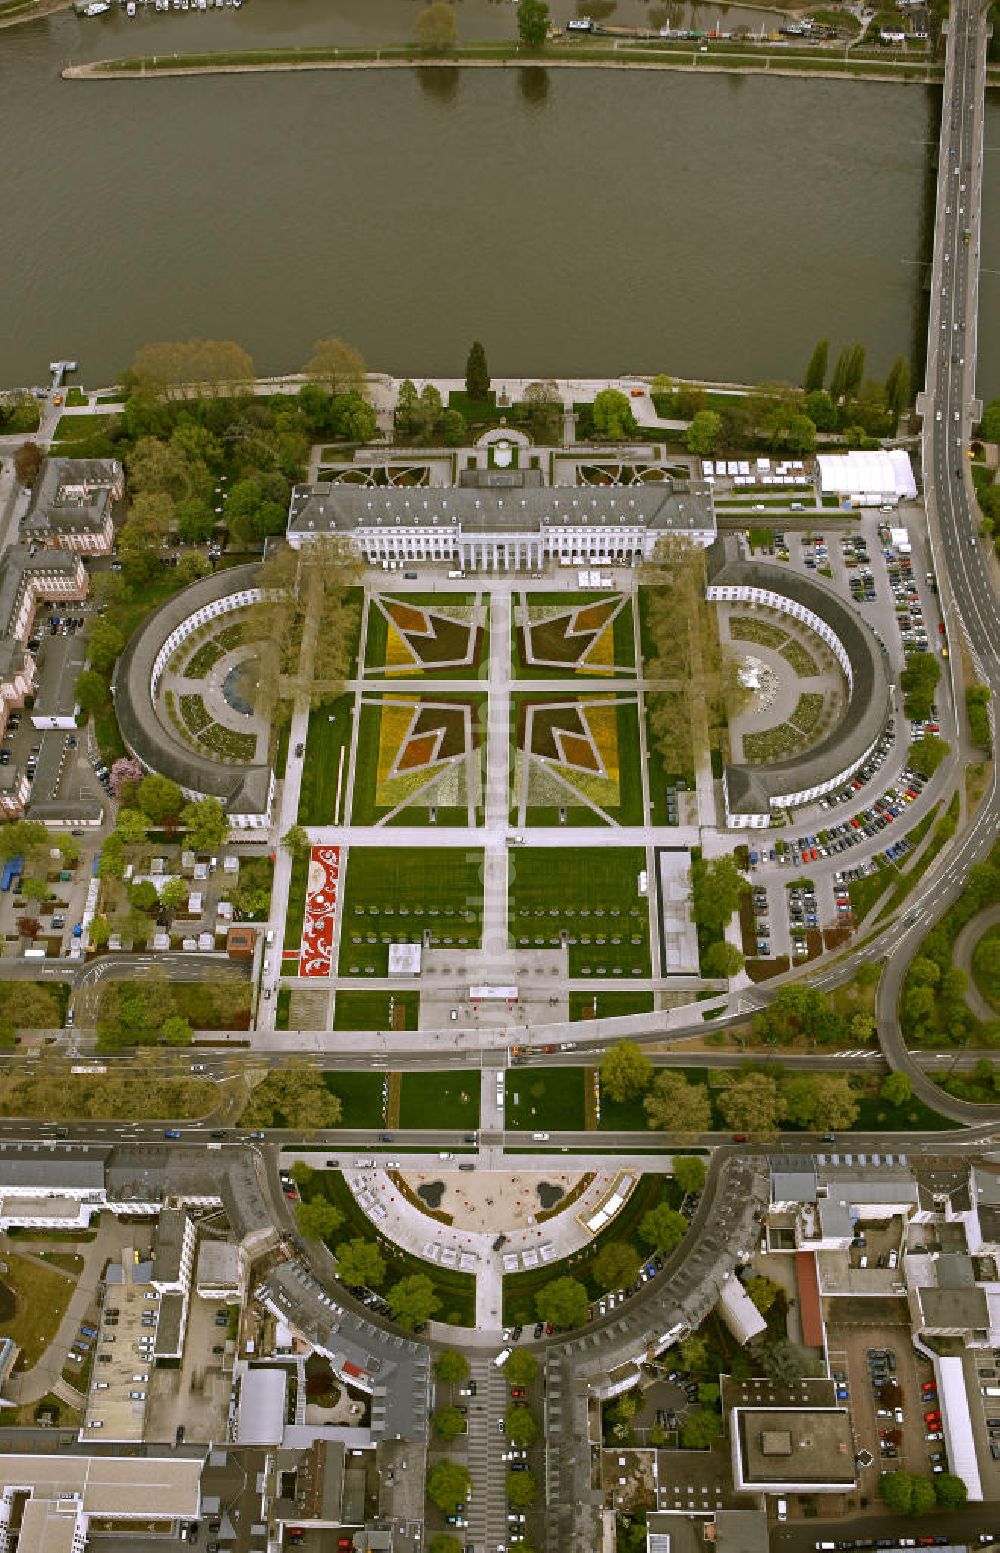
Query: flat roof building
54	1497
793	1450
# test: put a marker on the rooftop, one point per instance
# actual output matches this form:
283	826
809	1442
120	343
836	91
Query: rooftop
325	508
73	495
784	1446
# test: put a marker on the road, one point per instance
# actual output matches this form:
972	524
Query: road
964	566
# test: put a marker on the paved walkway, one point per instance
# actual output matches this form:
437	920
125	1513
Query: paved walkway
446	1244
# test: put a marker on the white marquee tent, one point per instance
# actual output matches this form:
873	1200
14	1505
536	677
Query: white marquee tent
887	475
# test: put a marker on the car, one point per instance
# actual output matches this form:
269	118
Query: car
740	1137
518	1393
931	1418
300	750
539	1328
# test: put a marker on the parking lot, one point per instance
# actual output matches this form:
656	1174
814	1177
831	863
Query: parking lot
196	1395
888	1420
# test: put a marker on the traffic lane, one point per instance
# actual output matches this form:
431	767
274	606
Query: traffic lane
959	1526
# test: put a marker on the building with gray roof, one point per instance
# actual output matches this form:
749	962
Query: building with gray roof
246	792
507	520
753	794
72	504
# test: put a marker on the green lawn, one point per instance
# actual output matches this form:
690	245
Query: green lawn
329	733
370	1010
877	1115
545	1099
449	1099
591	893
41	1295
519	1289
296	908
609	1004
395	894
73	428
360	1094
455	1290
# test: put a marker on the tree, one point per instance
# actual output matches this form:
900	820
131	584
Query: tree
520	1425
521	1368
918	682
799	435
721	959
927	753
699	1429
989	426
338	366
132	826
448	1485
142	896
616	1265
542	402
626	1071
820	1101
91	692
896	1088
27	462
104	643
123	771
532	23
896	1490
950	1491
34	889
444	1543
694	1354
318	1218
413	1301
897	387
763	1292
821	410
716	887
435	29
173	895
816	370
522	1489
206	824
689	1172
160	798
477	373
296	841
563	1302
451	1367
21	837
178	367
704	432
612	413
785	1361
292	1097
752	1103
176	1031
663	1228
449	1423
360	1264
676	1105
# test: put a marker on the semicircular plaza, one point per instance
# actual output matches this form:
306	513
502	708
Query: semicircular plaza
754	795
245	790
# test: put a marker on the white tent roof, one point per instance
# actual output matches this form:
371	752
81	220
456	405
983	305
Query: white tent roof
739	1312
956	1422
881	473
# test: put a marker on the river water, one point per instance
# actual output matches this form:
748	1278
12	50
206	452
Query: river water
581	223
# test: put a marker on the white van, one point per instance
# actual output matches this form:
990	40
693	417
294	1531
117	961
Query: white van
782	1508
502	1357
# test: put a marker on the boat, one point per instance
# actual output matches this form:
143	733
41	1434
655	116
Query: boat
580	24
130	8
96	8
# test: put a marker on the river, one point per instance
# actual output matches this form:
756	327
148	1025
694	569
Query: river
581	223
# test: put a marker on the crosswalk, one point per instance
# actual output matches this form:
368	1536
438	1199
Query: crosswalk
487	1513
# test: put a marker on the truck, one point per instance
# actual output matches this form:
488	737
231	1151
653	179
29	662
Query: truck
12	870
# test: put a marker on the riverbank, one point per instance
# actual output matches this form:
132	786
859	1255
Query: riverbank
716	58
